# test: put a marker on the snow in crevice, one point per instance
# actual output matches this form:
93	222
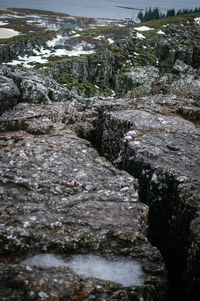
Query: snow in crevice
127	272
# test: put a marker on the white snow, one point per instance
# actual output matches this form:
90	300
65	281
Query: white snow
42	55
110	41
27	60
76	35
76	52
128	272
99	38
143	28
3	23
60	40
197	20
140	36
6	33
161	32
52	43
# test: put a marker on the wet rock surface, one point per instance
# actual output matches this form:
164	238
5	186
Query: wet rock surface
148	138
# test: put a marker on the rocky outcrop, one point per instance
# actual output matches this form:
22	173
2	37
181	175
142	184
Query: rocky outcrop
111	70
180	43
23	85
143	80
9	93
146	138
14	50
59	196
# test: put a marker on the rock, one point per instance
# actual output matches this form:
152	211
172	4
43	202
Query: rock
179	43
9	93
39	119
58	195
181	67
186	87
143	79
31	283
36	88
161	150
13	50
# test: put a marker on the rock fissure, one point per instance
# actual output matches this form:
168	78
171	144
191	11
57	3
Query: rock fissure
108	177
170	192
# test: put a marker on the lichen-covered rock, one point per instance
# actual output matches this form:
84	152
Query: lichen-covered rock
40	118
143	80
189	86
57	195
179	43
36	88
9	93
22	283
161	149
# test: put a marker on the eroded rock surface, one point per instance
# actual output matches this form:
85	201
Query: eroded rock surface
32	88
150	139
58	195
9	93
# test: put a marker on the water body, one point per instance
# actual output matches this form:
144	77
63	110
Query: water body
99	8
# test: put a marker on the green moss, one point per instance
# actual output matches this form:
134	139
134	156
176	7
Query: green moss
88	87
67	80
95	61
158	24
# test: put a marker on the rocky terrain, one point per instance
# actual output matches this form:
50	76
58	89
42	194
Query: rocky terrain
115	176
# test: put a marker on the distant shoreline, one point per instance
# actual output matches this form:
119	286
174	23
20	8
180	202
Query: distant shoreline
127	7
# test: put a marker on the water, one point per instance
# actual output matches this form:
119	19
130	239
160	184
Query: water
127	272
99	8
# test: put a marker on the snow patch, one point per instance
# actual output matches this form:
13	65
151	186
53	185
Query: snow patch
110	41
6	33
53	42
143	28
76	52
161	32
128	272
140	36
3	23
27	60
99	38
197	20
41	56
